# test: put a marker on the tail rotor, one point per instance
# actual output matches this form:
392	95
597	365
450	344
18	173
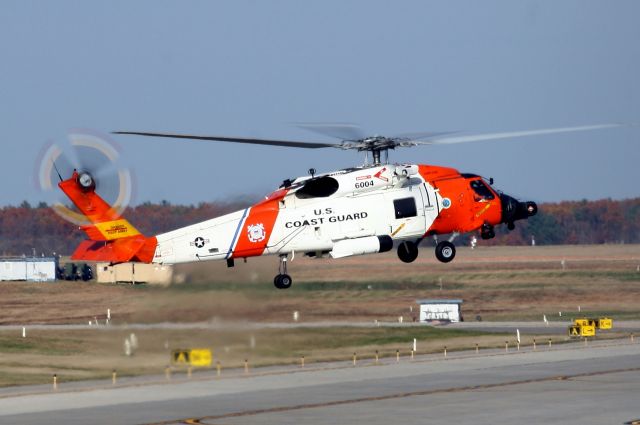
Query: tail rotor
99	166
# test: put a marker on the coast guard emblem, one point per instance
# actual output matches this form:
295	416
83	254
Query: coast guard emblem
256	232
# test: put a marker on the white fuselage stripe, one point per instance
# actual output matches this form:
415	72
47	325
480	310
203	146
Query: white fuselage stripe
234	241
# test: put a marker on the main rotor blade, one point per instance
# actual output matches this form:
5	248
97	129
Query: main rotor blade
342	131
510	134
270	142
415	136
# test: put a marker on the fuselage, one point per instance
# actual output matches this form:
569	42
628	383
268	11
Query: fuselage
349	212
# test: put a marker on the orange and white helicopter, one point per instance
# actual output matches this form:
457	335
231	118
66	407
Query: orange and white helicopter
368	209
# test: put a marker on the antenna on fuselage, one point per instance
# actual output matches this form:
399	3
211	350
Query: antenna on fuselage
57	171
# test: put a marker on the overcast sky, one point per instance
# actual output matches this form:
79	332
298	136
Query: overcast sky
250	68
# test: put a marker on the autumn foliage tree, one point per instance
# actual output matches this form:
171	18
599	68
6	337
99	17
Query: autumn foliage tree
24	228
578	222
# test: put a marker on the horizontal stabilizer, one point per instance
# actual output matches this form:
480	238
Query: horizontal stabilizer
110	230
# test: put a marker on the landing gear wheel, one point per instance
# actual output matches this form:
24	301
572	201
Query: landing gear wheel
282	281
408	251
445	251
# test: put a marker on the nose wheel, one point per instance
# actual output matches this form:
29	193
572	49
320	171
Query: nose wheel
445	251
282	279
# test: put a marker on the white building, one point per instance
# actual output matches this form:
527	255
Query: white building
32	269
440	310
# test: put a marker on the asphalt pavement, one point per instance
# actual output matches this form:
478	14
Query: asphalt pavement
568	384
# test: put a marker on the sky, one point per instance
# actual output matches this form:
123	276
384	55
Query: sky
252	68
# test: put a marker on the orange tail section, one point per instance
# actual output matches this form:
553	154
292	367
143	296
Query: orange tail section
111	238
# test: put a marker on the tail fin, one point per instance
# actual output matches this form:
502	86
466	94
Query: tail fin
111	237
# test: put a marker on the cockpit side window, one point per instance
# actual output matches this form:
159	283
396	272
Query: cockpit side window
320	187
481	190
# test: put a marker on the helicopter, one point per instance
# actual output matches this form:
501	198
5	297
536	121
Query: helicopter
367	209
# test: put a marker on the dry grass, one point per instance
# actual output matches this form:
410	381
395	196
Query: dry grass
498	283
94	353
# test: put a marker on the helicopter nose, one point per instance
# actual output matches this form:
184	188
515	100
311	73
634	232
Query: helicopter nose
513	210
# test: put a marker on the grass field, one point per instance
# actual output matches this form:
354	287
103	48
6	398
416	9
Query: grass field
497	283
93	354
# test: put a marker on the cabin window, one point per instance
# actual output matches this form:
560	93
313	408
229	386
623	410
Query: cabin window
405	207
481	190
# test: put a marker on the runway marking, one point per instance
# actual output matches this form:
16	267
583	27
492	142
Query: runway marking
387	397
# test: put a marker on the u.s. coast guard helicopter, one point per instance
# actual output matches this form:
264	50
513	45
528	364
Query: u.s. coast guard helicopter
368	209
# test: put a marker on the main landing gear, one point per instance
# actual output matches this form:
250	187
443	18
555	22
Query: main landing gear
282	279
408	251
445	250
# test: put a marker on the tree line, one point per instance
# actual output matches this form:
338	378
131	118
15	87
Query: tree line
604	221
26	229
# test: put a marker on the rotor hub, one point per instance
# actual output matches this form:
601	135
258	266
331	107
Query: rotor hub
86	181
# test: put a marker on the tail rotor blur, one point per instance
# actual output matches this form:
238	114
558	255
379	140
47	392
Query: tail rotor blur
99	165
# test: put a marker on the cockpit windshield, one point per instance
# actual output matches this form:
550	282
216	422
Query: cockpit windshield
481	190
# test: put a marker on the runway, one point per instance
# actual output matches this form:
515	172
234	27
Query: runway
597	384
